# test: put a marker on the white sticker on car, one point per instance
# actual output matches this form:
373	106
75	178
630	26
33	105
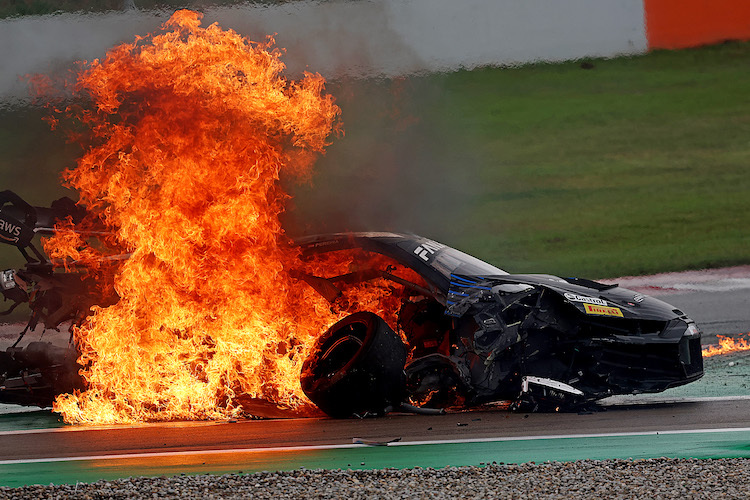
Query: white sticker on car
586	300
427	249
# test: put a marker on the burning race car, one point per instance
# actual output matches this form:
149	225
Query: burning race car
457	332
474	334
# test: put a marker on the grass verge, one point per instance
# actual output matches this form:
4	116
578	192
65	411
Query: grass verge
635	165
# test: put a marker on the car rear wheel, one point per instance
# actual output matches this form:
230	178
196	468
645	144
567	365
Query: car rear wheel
356	368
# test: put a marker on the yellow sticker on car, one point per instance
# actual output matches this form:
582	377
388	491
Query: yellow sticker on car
602	310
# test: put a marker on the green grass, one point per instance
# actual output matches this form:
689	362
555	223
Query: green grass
638	165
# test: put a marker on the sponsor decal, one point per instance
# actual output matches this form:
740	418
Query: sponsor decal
602	310
10	229
586	300
427	249
638	298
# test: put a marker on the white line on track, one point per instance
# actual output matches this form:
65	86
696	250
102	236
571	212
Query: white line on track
282	449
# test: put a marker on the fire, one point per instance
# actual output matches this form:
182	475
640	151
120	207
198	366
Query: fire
726	345
190	131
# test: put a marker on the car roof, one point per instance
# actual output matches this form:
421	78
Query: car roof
434	261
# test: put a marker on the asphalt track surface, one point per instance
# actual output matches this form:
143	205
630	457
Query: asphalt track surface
681	426
399	430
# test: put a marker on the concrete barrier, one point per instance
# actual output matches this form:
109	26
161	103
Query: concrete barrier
347	38
394	37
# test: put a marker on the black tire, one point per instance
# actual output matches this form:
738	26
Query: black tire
356	368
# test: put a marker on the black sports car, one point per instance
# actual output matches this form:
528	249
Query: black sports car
474	334
462	332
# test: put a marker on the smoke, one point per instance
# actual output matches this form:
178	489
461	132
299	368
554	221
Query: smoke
51	44
399	167
332	38
392	169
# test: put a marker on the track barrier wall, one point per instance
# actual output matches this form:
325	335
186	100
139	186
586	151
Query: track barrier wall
390	38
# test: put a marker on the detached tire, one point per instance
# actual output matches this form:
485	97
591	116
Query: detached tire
357	367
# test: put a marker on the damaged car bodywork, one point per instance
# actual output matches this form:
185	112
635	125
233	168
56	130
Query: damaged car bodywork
462	332
475	334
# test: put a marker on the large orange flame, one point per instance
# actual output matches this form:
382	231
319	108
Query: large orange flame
191	130
726	345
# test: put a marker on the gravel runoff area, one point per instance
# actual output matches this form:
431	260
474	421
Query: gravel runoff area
644	478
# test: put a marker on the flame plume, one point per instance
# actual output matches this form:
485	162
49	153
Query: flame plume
726	345
191	130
